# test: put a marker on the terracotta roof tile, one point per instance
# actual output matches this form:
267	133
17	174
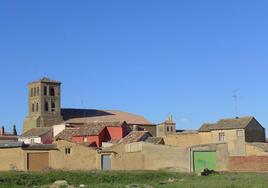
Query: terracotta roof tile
224	124
135	136
39	131
92	115
155	140
92	128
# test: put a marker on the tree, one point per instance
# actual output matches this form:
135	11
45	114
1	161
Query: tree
14	130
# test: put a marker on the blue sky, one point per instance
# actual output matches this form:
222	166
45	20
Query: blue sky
148	57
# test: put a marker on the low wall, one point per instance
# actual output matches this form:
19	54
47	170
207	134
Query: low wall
146	156
248	164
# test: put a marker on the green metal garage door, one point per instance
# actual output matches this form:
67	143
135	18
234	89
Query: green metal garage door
205	159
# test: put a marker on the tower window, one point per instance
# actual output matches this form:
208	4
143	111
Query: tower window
45	90
31	92
221	137
46	106
34	91
36	107
52	91
32	107
37	91
171	129
167	129
53	106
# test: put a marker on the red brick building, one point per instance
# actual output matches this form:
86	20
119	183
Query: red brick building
95	133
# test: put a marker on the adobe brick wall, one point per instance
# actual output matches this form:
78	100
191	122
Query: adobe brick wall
249	164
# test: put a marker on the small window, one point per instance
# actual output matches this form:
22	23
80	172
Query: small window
32	107
239	133
37	91
36	107
45	90
34	91
52	91
53	106
221	137
31	92
167	129
46	106
67	151
171	129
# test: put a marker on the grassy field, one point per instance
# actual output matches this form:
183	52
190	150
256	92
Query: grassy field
145	179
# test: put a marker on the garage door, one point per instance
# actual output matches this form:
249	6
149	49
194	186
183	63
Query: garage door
205	159
37	161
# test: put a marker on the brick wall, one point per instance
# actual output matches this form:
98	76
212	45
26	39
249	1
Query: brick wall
248	164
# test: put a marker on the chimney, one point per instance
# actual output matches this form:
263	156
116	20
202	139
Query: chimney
2	131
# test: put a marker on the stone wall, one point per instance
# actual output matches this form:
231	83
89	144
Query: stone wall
146	156
236	145
12	159
80	157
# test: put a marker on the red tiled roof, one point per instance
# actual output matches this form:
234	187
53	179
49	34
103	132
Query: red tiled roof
135	136
89	129
80	116
39	131
226	124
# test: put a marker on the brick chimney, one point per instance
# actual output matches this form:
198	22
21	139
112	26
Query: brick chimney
2	131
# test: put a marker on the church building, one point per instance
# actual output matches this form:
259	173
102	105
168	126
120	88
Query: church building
44	104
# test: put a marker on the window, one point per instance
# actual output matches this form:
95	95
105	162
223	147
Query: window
45	90
46	106
221	137
239	133
31	92
53	106
167	129
171	129
37	91
67	151
32	107
51	91
36	107
34	91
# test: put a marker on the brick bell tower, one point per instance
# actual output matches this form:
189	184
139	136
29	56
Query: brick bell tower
44	104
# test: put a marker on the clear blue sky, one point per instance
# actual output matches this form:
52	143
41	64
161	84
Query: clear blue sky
148	57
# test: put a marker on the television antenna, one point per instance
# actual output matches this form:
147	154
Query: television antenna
235	97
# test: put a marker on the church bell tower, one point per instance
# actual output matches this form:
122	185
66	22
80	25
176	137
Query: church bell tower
44	104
